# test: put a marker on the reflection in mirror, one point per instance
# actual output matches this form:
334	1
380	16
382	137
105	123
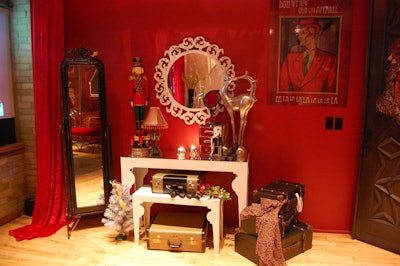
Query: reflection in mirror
192	76
187	72
86	139
85	133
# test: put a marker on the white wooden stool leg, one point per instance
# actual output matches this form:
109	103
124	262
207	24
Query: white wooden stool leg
214	217
138	212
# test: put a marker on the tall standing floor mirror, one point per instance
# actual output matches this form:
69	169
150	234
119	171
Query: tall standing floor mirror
85	135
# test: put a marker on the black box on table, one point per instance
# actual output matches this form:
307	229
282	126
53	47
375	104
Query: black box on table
166	181
296	241
176	231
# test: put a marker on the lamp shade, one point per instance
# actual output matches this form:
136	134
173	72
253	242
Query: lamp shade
154	119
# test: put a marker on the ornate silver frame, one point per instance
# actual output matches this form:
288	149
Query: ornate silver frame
163	92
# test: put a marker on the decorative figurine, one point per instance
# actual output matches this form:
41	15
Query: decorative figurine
241	103
138	92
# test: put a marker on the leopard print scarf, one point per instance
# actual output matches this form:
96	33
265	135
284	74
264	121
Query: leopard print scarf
389	102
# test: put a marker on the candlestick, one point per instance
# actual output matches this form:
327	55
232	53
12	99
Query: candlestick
181	153
193	153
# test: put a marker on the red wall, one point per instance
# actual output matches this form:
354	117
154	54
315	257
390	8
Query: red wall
285	142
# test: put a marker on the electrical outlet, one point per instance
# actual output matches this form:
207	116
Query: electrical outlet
338	123
329	122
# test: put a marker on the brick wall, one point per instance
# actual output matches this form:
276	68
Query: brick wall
23	89
12	182
17	161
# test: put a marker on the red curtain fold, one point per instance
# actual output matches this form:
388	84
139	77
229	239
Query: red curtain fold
175	81
47	20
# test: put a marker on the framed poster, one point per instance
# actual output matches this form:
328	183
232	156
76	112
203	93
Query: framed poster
312	40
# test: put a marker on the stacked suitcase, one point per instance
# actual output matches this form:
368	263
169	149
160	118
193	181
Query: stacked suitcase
296	241
296	236
176	231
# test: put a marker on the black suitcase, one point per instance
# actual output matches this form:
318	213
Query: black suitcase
167	181
289	212
295	242
285	221
281	190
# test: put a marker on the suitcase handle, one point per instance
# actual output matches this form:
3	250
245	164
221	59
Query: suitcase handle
299	206
172	245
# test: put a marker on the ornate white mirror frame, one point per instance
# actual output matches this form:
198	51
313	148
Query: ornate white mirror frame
190	46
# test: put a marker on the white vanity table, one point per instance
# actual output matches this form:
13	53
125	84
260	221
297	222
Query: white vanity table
133	171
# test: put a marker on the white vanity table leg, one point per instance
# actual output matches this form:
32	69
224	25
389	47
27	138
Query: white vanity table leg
138	212
131	175
147	206
221	221
240	187
215	217
127	177
139	174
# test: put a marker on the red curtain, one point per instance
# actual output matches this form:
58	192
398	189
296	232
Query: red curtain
47	20
175	81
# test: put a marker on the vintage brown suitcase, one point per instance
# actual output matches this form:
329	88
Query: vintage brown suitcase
166	181
178	232
281	190
296	241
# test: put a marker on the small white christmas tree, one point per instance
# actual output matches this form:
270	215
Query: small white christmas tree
118	215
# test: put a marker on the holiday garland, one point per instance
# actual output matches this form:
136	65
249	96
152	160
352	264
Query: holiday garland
212	192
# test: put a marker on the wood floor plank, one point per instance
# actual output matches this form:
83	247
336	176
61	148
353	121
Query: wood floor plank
93	244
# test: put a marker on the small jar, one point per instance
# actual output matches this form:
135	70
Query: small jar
241	154
181	153
194	153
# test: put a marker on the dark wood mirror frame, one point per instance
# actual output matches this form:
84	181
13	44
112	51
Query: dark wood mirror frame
98	132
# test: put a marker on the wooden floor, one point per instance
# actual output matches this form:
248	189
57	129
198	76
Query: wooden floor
93	244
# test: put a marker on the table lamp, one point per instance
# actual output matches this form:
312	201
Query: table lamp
155	121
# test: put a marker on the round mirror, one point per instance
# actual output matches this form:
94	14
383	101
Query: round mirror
186	74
